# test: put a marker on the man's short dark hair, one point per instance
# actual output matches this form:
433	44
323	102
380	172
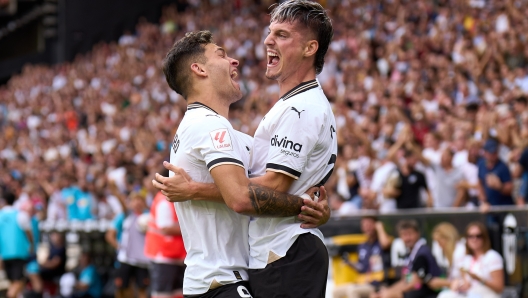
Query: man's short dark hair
408	224
9	198
184	52
314	17
521	100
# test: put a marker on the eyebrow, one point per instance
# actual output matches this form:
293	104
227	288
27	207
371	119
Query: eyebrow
222	50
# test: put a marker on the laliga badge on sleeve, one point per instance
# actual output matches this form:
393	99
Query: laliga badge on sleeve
221	139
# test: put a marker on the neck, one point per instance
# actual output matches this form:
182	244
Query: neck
477	253
301	75
211	100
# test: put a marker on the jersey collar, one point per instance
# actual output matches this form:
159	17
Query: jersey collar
302	87
197	105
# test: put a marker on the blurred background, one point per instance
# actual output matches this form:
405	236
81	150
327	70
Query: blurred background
430	99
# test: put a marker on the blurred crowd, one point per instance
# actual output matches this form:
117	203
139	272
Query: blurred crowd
429	98
451	265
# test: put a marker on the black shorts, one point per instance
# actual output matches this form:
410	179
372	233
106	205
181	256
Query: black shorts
301	273
237	290
14	269
125	272
165	278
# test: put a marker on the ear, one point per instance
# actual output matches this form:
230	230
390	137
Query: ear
199	70
311	48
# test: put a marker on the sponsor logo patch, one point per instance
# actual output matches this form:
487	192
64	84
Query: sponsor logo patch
288	147
221	139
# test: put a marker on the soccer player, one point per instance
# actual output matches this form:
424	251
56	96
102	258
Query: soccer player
294	148
210	150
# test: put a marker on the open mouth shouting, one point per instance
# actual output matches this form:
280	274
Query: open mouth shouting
234	75
273	59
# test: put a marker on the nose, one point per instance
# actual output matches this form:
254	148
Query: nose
269	40
234	62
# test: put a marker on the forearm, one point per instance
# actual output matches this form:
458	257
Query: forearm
408	286
172	230
438	283
259	200
266	202
507	188
110	237
273	180
206	192
384	239
51	264
459	198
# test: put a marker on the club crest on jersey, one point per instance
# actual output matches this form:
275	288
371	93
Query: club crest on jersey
221	139
285	143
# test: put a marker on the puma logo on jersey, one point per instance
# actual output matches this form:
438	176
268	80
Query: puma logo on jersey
294	109
285	143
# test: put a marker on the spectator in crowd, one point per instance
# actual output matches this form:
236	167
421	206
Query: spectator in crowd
470	184
411	182
453	251
482	267
32	268
496	184
165	250
133	264
447	179
370	265
380	178
421	266
54	266
88	285
341	207
16	244
522	172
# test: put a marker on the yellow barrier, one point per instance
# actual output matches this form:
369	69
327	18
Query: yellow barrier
342	273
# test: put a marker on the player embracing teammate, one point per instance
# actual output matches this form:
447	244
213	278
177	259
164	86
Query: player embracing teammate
293	150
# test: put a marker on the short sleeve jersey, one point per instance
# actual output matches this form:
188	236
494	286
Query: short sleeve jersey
297	138
215	237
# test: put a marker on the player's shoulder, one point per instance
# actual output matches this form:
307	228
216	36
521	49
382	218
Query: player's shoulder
197	122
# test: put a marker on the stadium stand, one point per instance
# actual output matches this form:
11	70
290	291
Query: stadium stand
433	92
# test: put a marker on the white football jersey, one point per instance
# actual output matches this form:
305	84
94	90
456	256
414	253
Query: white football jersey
215	237
297	137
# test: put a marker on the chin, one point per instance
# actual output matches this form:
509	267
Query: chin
273	76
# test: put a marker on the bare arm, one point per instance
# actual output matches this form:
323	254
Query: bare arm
243	195
507	188
111	238
52	264
182	188
460	194
173	230
385	240
438	283
246	197
495	283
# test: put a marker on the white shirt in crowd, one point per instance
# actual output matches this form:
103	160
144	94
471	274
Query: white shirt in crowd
483	267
